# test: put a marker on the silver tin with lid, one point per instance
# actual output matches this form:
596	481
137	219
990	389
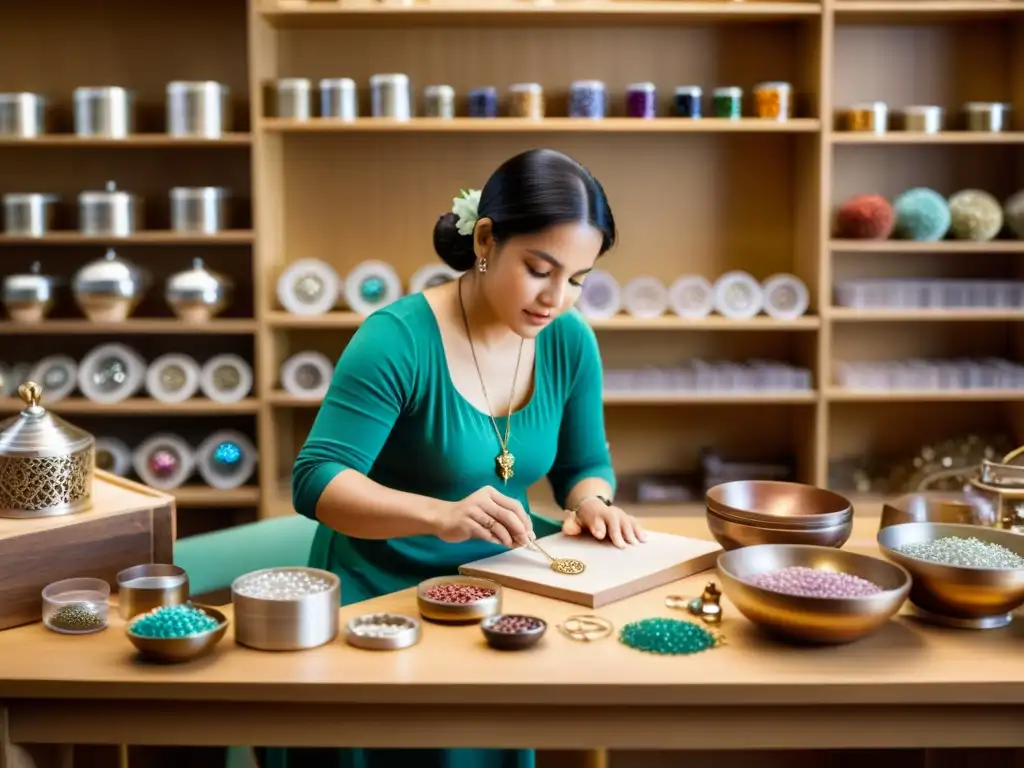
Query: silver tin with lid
197	295
110	212
200	209
23	115
987	116
290	97
109	289
47	465
28	297
104	112
29	214
338	98
389	95
199	108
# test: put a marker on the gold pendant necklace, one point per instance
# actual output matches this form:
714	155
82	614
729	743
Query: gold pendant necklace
504	462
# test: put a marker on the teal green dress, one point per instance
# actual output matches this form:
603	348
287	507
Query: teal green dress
393	413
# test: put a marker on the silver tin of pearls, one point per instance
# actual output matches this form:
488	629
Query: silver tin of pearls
164	461
198	109
307	374
109	212
645	297
309	287
383	631
286	609
113	455
29	214
226	378
23	115
692	296
338	98
226	459
431	275
173	378
371	285
738	295
785	296
104	112
601	297
58	375
109	289
29	297
197	295
111	373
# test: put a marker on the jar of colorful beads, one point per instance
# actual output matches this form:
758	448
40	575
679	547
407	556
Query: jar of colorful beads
728	102
526	100
773	101
587	98
483	102
641	100
688	101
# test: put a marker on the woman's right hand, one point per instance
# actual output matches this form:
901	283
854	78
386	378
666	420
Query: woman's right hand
485	514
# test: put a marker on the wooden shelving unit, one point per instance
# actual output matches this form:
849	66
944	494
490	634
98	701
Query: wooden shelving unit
702	196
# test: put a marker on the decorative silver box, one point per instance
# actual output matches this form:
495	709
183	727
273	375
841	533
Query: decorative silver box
104	112
200	209
28	298
197	295
109	290
109	212
46	464
198	108
29	214
23	115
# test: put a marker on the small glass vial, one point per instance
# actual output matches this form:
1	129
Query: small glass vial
390	96
439	101
642	100
483	102
526	100
728	102
922	119
688	101
987	116
587	98
871	117
773	101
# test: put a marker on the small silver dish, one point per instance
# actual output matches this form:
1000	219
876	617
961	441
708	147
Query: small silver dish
179	649
383	631
458	613
142	588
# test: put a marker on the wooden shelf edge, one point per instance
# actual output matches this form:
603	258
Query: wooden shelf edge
917	10
943	137
282	399
134	406
133	325
190	496
841	395
549	124
151	237
846	314
935	246
151	140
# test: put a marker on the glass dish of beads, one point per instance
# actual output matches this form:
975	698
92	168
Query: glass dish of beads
77	606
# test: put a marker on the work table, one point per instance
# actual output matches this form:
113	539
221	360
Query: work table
910	685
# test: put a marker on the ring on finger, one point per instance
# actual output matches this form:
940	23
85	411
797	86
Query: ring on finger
490	523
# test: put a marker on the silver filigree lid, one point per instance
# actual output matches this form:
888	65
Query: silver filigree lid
31	286
110	276
198	284
37	433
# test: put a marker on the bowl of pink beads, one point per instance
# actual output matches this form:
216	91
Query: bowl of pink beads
458	599
813	594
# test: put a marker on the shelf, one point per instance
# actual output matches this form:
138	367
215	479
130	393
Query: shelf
154	237
149	140
284	400
133	326
204	496
941	246
924	395
137	406
847	314
943	137
547	125
919	11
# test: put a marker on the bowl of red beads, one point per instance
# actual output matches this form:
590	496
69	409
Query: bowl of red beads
512	631
458	599
813	594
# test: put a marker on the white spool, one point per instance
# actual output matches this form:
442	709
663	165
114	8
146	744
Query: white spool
186	366
233	366
601	297
645	297
371	270
302	365
240	474
309	287
738	295
692	296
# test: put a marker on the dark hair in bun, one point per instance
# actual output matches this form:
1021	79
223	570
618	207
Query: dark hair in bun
529	193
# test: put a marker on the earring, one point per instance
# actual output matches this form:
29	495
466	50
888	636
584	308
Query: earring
482	265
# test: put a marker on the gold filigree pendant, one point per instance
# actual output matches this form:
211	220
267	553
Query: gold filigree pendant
505	461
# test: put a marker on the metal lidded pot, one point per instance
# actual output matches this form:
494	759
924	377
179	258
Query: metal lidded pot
47	465
109	289
106	112
23	115
197	295
290	97
109	212
200	209
29	214
28	297
198	108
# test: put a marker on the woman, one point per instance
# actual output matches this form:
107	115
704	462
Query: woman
447	405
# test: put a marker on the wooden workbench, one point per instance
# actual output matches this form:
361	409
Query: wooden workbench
909	686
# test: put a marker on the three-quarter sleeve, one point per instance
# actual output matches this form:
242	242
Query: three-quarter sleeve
582	441
372	384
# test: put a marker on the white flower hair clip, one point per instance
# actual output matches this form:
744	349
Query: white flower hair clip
465	207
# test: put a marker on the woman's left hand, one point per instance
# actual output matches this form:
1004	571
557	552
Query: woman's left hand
600	521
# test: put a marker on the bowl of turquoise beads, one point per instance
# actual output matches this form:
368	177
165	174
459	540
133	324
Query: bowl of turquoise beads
175	633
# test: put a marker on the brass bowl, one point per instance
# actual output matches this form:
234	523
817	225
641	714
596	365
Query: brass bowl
818	620
732	534
955	508
795	505
438	611
178	649
962	596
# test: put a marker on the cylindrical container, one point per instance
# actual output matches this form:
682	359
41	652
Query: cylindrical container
526	100
338	98
987	116
688	101
587	98
728	102
270	616
104	112
871	117
290	97
439	101
76	606
200	209
641	100
22	115
389	96
483	102
142	588
198	295
922	119
109	212
198	108
29	297
29	214
773	101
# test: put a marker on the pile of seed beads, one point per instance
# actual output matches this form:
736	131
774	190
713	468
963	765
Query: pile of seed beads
281	585
801	581
173	621
511	624
383	625
666	636
77	617
457	593
957	550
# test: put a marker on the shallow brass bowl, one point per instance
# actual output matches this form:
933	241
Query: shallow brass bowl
818	620
435	610
177	649
773	501
732	534
978	598
955	508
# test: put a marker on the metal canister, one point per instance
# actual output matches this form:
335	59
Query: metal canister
29	214
987	116
439	101
199	209
922	119
104	112
22	114
526	100
338	98
198	108
871	117
109	212
290	97
390	96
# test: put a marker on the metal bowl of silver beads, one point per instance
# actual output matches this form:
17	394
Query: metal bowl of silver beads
383	631
288	608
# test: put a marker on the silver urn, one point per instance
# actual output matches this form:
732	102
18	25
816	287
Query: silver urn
108	290
28	298
198	295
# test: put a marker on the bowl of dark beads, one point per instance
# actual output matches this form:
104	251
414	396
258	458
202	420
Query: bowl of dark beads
175	633
512	631
76	606
458	599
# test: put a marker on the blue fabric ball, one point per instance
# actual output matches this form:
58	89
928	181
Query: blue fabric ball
921	214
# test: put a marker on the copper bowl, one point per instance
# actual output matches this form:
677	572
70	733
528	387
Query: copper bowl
818	620
957	508
792	505
962	596
733	533
178	649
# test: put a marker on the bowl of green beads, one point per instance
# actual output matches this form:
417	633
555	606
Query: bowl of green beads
173	633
